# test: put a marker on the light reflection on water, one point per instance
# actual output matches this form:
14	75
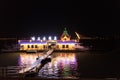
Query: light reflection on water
62	65
26	59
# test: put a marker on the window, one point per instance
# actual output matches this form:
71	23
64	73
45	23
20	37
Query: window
36	46
57	46
67	46
63	46
43	46
32	46
28	46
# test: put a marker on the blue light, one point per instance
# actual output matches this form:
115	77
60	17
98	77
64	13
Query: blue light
33	42
66	43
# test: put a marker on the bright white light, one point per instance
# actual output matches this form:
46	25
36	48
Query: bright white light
55	38
38	38
33	38
44	38
50	38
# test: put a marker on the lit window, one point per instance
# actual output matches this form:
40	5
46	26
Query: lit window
43	46
36	46
28	46
63	46
32	46
67	46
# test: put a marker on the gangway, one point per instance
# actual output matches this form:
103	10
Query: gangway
37	63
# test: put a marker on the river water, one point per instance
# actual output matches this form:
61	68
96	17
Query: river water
69	65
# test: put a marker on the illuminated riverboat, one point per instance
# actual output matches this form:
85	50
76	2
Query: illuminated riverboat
64	44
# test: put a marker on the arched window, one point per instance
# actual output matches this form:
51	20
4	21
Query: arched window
43	46
32	46
67	46
28	46
63	46
36	46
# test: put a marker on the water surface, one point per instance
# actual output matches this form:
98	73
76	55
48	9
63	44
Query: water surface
69	65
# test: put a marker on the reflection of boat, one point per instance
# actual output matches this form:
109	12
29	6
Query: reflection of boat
62	66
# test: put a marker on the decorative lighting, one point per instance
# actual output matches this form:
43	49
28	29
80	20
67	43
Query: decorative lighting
49	38
44	38
33	38
55	38
38	38
41	40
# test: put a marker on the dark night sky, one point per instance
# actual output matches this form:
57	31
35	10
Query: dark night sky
49	17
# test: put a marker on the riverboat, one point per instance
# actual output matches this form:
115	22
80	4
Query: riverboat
64	44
